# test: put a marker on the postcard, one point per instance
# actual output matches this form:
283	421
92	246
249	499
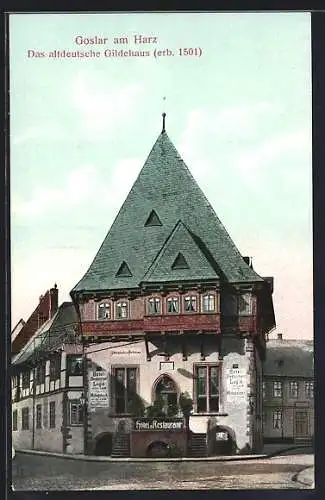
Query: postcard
161	251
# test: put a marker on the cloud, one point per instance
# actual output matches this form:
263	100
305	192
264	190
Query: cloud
37	132
103	105
83	185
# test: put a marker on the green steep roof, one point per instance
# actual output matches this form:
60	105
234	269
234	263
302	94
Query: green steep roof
196	265
166	186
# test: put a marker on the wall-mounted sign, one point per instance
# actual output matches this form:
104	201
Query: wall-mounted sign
166	365
236	384
159	424
125	352
98	390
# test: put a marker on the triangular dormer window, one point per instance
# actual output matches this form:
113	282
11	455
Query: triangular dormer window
180	262
153	219
124	271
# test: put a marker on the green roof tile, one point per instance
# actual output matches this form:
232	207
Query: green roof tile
166	186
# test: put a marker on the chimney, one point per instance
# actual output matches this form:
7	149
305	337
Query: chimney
54	300
280	336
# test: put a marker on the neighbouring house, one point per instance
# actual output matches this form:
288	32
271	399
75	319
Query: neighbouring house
288	390
170	307
47	386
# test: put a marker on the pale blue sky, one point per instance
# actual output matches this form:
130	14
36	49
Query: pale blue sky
240	116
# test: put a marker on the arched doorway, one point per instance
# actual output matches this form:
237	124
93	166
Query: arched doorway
166	392
104	444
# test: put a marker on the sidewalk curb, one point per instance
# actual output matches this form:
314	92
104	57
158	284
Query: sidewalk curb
297	477
220	458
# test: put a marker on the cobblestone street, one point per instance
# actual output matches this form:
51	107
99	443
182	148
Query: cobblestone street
35	472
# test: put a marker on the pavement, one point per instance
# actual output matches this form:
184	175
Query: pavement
292	469
268	451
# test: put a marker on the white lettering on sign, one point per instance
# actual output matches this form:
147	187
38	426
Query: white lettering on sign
236	384
98	390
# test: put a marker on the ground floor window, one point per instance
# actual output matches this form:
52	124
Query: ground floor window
207	388
166	391
277	419
125	382
52	414
76	412
15	420
38	416
25	419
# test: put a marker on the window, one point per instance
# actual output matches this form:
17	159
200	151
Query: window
180	262
40	373
166	391
153	219
15	420
55	366
26	379
52	414
309	390
293	389
38	416
154	305
190	304
173	305
277	389
245	304
264	389
25	419
76	412
123	271
208	303
122	310
277	419
104	311
74	365
125	388
207	388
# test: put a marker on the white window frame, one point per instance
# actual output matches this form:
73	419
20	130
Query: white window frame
122	305
277	389
309	390
173	300
152	305
79	421
209	302
293	389
277	419
190	299
207	367
106	306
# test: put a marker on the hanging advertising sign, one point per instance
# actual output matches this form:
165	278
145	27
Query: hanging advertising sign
236	385
98	390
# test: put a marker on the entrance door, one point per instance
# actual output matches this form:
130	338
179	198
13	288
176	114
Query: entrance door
301	424
167	392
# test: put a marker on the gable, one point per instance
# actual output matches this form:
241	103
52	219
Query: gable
180	258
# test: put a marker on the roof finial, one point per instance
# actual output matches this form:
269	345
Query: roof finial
164	118
164	115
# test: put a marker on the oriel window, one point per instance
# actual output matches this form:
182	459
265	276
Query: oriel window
207	388
122	310
190	303
104	311
173	305
154	305
209	303
74	365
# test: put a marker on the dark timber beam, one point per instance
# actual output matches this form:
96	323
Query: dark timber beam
147	348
